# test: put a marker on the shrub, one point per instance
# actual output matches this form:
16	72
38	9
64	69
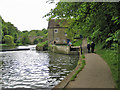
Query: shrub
43	45
111	58
77	43
9	40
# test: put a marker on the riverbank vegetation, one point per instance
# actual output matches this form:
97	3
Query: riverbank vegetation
42	46
11	36
111	57
83	63
97	21
77	42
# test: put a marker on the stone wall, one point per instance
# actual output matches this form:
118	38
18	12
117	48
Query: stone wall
62	49
50	35
59	36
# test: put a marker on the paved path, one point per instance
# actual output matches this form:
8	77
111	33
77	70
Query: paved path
96	73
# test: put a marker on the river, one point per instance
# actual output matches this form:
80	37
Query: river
35	69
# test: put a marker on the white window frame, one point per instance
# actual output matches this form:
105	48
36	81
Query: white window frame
55	30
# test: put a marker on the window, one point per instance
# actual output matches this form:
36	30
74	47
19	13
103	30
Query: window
57	25
56	30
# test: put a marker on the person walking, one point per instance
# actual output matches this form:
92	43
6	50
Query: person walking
54	42
88	47
70	43
92	47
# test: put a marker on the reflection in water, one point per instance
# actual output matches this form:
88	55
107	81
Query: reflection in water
31	69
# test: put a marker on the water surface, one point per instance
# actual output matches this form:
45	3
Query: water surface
33	69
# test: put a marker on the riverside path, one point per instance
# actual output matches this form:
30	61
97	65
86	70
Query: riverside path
96	73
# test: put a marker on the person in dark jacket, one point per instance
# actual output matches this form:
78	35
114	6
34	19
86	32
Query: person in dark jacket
92	47
88	47
54	42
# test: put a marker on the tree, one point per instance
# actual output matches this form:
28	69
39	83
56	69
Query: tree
44	31
95	19
25	40
1	34
15	37
8	29
9	40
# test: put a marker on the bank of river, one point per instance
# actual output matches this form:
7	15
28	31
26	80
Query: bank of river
33	69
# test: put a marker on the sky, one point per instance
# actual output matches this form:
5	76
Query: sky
26	14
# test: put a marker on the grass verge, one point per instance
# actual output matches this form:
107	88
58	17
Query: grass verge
111	58
80	69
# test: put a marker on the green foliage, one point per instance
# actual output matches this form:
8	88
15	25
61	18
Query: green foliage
44	31
89	40
42	44
25	40
8	29
20	38
77	43
93	19
38	40
15	37
83	61
19	43
83	56
98	21
1	33
3	45
38	32
9	40
35	41
73	77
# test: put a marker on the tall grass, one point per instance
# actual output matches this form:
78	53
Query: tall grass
111	58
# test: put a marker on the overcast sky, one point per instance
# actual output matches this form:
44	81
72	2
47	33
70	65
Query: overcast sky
26	14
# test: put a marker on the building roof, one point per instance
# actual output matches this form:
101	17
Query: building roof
53	23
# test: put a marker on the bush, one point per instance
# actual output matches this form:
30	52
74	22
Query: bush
43	45
25	40
36	41
77	43
9	40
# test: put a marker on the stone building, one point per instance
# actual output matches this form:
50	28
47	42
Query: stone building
56	31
